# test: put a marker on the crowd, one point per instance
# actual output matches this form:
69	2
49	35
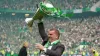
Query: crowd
32	4
13	32
80	4
19	4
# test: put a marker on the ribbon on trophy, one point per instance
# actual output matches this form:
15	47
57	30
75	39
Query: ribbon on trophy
45	8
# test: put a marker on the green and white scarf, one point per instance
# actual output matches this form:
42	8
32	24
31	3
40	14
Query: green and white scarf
51	44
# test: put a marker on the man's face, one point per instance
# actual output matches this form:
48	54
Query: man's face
52	34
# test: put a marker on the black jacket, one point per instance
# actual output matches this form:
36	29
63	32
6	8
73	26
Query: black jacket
23	51
57	49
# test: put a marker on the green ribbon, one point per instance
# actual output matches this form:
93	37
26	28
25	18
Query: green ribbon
51	44
56	12
47	9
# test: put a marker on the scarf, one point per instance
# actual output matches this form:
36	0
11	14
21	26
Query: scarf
51	44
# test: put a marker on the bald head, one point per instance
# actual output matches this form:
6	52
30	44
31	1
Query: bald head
56	31
25	44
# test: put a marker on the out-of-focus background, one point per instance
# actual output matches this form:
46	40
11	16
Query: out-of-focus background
79	33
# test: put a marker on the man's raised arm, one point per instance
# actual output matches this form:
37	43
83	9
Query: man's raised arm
42	31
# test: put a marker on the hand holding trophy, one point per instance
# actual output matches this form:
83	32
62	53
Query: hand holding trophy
44	9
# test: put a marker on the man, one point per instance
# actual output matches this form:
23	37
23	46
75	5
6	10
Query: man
23	50
51	45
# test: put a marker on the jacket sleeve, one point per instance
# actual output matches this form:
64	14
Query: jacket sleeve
42	31
22	52
57	52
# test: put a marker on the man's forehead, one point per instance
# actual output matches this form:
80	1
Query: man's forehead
51	31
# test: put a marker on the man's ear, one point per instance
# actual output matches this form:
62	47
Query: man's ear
57	37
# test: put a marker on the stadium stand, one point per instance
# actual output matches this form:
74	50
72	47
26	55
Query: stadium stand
75	32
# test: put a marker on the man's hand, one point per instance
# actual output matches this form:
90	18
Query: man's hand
39	46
